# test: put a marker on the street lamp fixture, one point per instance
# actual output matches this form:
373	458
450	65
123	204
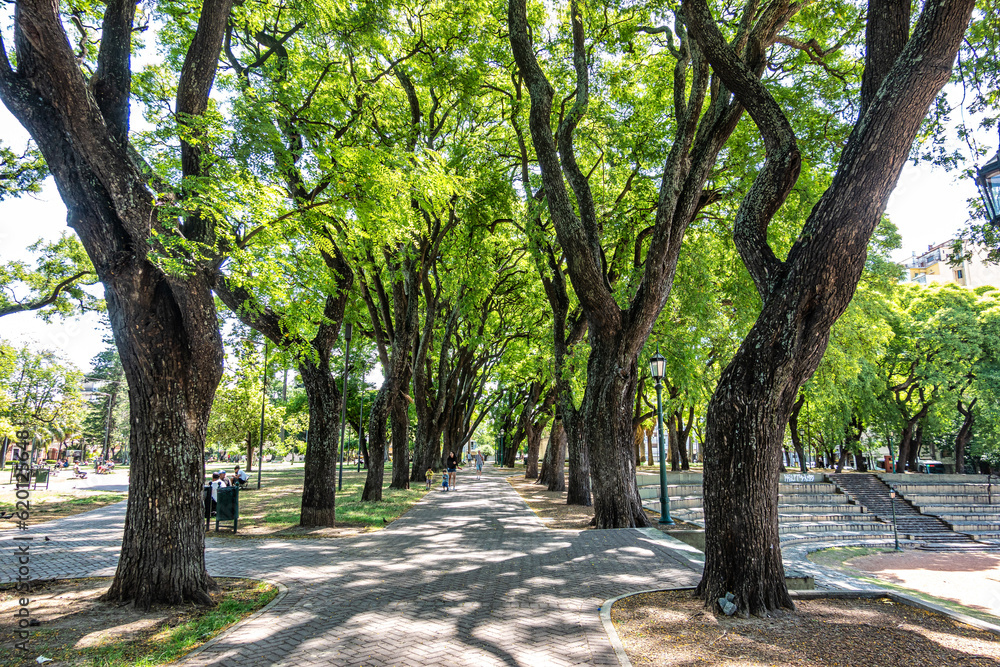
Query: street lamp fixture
988	181
657	368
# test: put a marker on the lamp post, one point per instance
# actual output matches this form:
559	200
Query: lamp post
263	402
892	503
361	423
988	181
657	368
343	403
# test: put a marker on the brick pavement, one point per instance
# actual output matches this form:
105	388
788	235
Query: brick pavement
468	577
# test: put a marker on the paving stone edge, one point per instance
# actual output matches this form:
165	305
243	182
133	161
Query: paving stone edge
282	592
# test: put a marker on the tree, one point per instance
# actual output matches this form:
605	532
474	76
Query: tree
76	108
54	286
621	288
804	294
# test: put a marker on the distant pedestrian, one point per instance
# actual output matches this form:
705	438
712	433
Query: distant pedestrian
479	465
452	465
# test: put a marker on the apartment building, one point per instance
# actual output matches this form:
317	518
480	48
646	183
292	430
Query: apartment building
933	266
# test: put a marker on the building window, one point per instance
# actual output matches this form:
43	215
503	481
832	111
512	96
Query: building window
958	274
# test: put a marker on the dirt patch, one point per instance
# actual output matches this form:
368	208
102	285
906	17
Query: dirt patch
77	629
970	579
673	628
551	508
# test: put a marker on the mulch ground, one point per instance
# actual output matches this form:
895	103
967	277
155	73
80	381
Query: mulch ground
673	628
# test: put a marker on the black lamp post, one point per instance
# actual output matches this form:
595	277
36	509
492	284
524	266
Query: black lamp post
343	403
988	181
892	502
657	368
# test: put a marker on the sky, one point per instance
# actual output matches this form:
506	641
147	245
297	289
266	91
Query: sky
928	205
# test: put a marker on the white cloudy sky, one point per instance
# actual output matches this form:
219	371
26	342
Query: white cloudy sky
928	206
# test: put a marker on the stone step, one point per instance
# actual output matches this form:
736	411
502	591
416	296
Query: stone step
938	510
957	489
811	498
946	499
983	518
965	526
842	508
650	478
793	517
921	478
809	488
833	526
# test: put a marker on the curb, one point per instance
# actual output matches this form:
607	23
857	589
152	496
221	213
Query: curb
901	598
282	592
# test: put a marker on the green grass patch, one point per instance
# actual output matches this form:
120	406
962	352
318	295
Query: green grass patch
274	509
171	643
47	505
99	634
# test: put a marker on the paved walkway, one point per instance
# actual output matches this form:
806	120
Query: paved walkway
469	577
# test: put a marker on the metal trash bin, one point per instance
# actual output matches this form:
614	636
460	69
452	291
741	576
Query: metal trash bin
227	507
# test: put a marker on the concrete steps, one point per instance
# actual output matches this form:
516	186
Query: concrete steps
807	505
911	520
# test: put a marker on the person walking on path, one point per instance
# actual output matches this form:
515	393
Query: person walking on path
479	465
452	465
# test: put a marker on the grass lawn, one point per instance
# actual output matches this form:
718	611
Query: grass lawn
78	629
273	510
50	504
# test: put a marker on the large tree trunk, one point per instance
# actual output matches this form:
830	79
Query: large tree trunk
907	438
249	467
171	388
400	418
554	476
319	485
608	436
805	294
578	484
964	434
164	323
793	424
377	445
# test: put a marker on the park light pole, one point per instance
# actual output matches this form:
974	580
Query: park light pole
361	421
343	403
263	403
892	503
988	181
657	368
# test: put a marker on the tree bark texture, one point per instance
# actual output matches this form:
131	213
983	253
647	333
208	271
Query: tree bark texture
165	325
805	294
578	482
377	418
553	471
964	433
319	486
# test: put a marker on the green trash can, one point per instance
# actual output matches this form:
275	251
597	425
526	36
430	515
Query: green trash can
227	507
